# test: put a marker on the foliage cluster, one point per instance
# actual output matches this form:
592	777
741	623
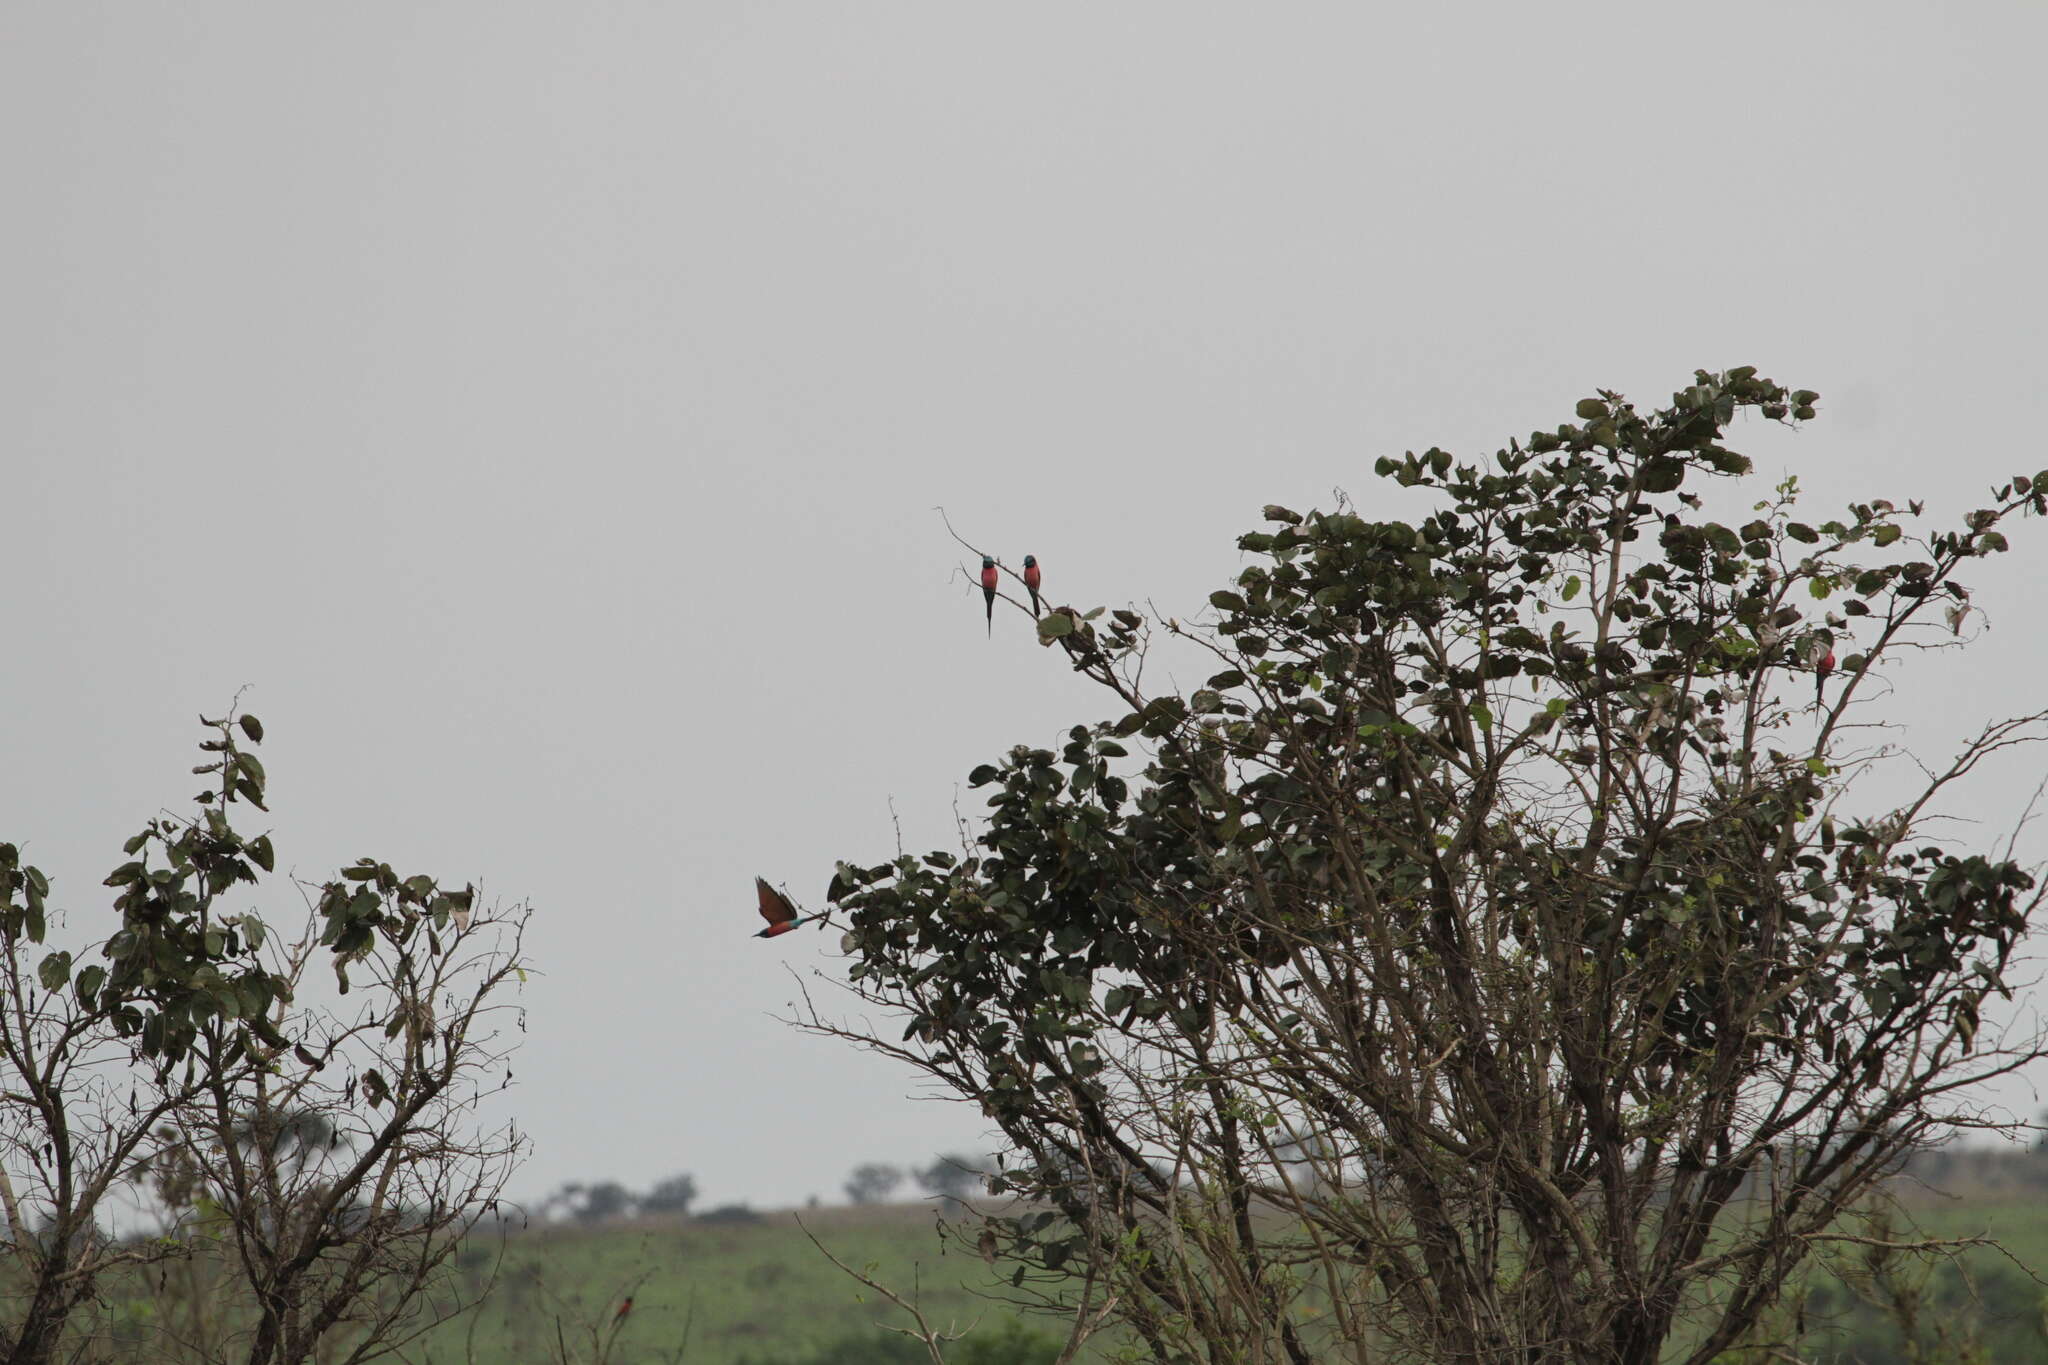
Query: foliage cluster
309	1159
1488	961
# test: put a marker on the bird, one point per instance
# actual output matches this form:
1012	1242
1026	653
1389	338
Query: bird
988	589
1031	582
776	909
624	1308
1822	655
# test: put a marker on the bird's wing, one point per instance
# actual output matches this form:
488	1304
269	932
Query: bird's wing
775	907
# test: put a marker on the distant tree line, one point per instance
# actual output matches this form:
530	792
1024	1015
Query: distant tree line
950	1177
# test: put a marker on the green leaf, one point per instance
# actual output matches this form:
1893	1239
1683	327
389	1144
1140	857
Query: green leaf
983	775
1226	601
1055	624
88	984
55	971
253	728
261	854
1661	476
1885	535
1801	532
1571	588
1481	716
1590	409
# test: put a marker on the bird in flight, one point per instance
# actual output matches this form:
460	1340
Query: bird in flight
776	909
1031	581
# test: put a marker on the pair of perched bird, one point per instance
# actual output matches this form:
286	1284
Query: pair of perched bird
776	908
989	579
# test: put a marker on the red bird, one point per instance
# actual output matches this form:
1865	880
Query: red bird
1821	654
624	1309
988	589
1031	582
776	909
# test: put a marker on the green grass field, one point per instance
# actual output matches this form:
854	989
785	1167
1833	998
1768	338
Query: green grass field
716	1293
726	1293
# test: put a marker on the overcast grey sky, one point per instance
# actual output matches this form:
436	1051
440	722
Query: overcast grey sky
543	406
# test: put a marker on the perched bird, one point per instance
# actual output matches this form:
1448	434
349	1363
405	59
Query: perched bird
1031	582
776	909
988	589
1821	654
624	1309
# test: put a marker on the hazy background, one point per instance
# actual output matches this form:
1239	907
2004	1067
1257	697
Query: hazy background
543	406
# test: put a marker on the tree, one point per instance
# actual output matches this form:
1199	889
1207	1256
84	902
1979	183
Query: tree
872	1182
673	1195
1490	962
604	1202
951	1177
316	1163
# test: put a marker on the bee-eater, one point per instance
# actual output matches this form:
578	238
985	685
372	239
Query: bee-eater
1031	582
624	1309
1820	656
988	589
776	909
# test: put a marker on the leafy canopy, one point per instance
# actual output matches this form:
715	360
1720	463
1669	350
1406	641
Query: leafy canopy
1498	878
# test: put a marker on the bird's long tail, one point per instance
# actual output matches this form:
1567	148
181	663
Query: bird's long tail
991	616
1034	604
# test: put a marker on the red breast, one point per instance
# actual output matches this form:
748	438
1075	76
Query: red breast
988	577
